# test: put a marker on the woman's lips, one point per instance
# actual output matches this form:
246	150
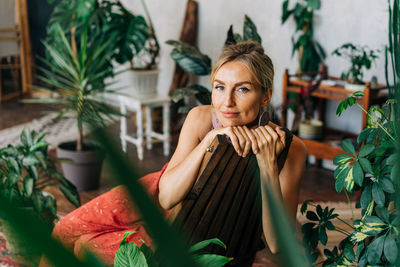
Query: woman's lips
229	114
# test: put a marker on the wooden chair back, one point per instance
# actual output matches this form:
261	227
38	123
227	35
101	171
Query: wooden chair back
225	202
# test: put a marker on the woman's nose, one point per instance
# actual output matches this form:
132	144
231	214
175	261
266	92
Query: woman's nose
228	100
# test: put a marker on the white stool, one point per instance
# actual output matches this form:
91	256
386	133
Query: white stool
135	104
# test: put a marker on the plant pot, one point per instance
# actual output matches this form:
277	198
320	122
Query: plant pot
354	87
311	129
85	170
142	83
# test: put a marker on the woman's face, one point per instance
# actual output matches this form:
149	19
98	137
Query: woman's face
235	96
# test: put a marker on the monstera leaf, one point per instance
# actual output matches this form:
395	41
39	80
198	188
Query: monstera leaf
189	58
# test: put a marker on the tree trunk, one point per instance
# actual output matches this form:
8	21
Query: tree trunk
181	78
188	35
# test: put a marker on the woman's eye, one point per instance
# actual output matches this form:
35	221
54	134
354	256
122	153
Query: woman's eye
243	89
219	87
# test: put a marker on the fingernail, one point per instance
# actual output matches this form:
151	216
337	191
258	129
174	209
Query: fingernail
255	151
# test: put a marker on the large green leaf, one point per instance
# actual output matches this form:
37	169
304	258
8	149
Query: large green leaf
129	255
71	194
366	150
365	164
314	4
211	260
28	186
358	174
26	137
202	244
190	58
30	160
200	92
290	251
378	194
375	250
366	196
387	185
348	147
390	249
341	159
250	30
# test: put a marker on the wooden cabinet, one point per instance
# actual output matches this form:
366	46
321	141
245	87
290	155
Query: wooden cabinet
328	148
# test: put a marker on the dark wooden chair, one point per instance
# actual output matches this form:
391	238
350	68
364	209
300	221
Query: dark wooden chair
225	202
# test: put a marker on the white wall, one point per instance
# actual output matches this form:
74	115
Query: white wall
7	20
361	22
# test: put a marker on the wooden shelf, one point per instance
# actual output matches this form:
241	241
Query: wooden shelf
328	148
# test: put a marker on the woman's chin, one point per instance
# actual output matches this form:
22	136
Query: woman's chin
233	122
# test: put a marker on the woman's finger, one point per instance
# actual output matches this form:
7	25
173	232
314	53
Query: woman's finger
247	146
282	135
259	136
272	133
234	140
253	139
265	134
242	140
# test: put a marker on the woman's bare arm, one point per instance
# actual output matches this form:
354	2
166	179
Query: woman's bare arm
287	188
184	165
284	186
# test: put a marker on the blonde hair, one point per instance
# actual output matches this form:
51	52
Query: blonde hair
252	56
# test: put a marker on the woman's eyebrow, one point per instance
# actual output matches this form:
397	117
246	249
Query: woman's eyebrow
236	84
244	82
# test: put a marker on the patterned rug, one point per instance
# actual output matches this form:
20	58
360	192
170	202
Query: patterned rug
57	131
6	259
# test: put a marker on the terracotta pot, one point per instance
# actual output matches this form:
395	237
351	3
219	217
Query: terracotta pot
85	170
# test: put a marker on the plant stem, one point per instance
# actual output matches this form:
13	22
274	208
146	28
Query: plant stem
46	185
345	222
351	208
80	134
379	124
340	230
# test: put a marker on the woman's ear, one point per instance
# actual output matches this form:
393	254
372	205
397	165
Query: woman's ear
266	97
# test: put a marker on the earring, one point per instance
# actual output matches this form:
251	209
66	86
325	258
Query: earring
263	119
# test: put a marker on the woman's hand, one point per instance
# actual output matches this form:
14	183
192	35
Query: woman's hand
241	138
270	143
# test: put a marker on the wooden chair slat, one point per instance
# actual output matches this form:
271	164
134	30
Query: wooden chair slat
227	201
245	214
211	161
227	229
191	222
215	200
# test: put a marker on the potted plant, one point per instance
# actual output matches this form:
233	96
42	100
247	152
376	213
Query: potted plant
371	168
136	43
310	52
76	75
25	170
360	57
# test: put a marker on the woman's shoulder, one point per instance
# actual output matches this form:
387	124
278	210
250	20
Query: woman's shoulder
297	150
199	120
201	112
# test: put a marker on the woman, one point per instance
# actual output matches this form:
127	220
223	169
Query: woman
242	86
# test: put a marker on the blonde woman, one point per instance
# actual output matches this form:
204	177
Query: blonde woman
242	81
